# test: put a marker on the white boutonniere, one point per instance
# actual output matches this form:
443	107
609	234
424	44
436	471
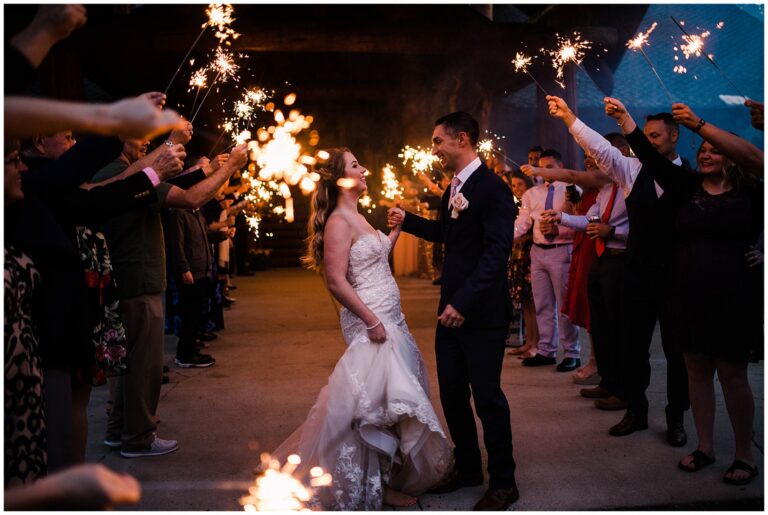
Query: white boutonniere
460	203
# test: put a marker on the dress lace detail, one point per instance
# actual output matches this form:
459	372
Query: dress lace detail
373	425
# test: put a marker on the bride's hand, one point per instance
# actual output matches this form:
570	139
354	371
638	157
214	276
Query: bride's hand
377	334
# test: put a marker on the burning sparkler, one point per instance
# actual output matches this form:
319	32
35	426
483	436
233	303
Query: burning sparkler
219	16
637	43
278	490
198	80
521	63
569	51
225	67
391	188
421	160
694	46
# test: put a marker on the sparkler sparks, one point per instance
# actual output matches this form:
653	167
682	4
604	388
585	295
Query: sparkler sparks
641	40
391	188
521	62
694	45
637	43
220	18
225	66
421	160
568	51
199	79
278	490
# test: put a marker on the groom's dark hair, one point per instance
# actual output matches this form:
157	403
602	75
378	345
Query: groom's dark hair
460	122
551	152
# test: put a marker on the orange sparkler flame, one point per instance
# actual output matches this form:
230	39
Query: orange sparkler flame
641	40
199	79
568	51
225	66
521	62
694	44
220	18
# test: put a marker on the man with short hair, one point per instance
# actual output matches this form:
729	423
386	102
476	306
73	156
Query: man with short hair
550	261
474	311
138	256
648	254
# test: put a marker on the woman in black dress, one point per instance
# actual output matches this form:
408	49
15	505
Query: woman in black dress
717	295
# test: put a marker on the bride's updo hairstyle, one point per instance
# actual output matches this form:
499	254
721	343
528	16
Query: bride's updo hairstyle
324	201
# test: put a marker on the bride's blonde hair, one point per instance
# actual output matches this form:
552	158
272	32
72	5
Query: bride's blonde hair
324	201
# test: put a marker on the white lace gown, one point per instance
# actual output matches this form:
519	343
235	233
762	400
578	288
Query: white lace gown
373	425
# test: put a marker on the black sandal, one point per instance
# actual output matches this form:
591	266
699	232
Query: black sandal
700	460
740	465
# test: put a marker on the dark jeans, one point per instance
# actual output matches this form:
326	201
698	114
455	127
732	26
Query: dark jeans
192	299
646	301
605	289
473	358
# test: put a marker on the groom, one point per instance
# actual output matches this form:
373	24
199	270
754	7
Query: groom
476	225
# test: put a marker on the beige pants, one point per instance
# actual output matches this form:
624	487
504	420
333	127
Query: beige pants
138	391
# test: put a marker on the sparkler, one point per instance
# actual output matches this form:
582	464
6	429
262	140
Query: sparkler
391	188
278	490
198	80
569	51
421	160
220	16
637	43
225	66
695	46
521	63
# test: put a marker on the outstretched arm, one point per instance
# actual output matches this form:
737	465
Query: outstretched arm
737	149
672	178
608	158
586	179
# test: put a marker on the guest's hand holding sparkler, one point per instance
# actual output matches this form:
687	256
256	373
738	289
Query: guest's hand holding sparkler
219	161
182	135
238	157
551	216
157	98
757	112
740	151
616	110
169	161
685	116
559	109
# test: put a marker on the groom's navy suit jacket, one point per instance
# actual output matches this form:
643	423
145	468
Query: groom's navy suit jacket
477	248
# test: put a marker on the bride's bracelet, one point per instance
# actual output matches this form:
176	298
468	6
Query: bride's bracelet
374	326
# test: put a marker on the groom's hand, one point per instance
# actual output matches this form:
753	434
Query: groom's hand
450	318
395	217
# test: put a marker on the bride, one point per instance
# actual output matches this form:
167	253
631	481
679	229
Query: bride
373	426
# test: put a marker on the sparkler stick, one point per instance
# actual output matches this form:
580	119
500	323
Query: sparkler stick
690	39
206	96
637	44
185	58
521	63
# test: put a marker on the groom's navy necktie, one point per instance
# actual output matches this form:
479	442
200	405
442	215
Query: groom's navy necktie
549	204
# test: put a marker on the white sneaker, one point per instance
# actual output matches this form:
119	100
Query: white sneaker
113	444
157	448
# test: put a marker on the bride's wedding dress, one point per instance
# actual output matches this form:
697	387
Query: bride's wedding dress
373	426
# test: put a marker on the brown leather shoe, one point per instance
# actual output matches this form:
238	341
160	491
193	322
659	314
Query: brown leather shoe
594	393
611	403
456	480
497	499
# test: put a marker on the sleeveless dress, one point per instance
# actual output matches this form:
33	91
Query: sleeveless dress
373	424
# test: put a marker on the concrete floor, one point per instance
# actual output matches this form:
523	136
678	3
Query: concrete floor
281	342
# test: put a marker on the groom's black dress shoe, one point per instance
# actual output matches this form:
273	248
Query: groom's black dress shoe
629	424
676	436
456	480
538	360
497	499
568	364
